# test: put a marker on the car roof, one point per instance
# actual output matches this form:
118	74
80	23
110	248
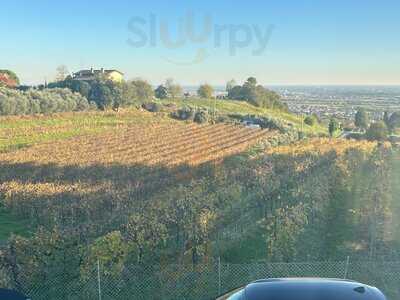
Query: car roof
310	289
306	280
6	294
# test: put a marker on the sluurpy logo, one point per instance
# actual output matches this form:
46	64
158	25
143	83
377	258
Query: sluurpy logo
154	32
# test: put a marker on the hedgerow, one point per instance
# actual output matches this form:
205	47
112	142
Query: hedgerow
15	102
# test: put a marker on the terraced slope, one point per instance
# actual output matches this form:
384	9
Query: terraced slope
149	145
72	179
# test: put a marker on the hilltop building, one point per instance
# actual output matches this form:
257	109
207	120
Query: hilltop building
89	75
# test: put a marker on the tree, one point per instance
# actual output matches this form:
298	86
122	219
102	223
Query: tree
230	85
394	121
174	90
161	92
283	230
144	233
205	91
81	87
309	120
102	95
61	72
235	93
56	253
377	132
333	126
144	91
8	78
129	93
251	81
386	118
361	119
110	251
257	95
249	90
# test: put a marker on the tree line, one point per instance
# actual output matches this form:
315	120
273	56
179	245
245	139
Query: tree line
255	94
380	129
15	102
107	94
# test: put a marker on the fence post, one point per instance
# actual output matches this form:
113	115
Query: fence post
219	275
98	279
346	268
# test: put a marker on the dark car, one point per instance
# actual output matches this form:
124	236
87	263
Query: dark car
305	289
11	295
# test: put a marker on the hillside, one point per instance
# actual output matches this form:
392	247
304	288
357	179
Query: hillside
226	107
64	154
156	189
121	138
22	131
131	148
140	188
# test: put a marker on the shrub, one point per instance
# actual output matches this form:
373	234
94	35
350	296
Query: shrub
309	121
361	119
201	116
333	126
15	102
226	119
377	131
161	92
355	136
106	93
236	117
205	91
185	113
393	122
170	106
151	106
267	123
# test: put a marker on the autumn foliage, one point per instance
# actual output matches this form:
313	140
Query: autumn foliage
6	80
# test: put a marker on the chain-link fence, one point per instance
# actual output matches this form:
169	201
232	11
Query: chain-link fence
205	281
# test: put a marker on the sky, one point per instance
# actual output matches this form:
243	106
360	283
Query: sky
286	42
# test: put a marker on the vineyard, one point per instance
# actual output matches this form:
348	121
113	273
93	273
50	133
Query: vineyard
156	192
23	131
149	145
60	181
139	188
322	146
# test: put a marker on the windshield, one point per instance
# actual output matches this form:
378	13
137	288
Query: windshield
237	296
177	150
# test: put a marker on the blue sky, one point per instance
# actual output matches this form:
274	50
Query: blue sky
309	42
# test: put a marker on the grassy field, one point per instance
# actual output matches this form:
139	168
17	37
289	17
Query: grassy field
241	107
21	131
